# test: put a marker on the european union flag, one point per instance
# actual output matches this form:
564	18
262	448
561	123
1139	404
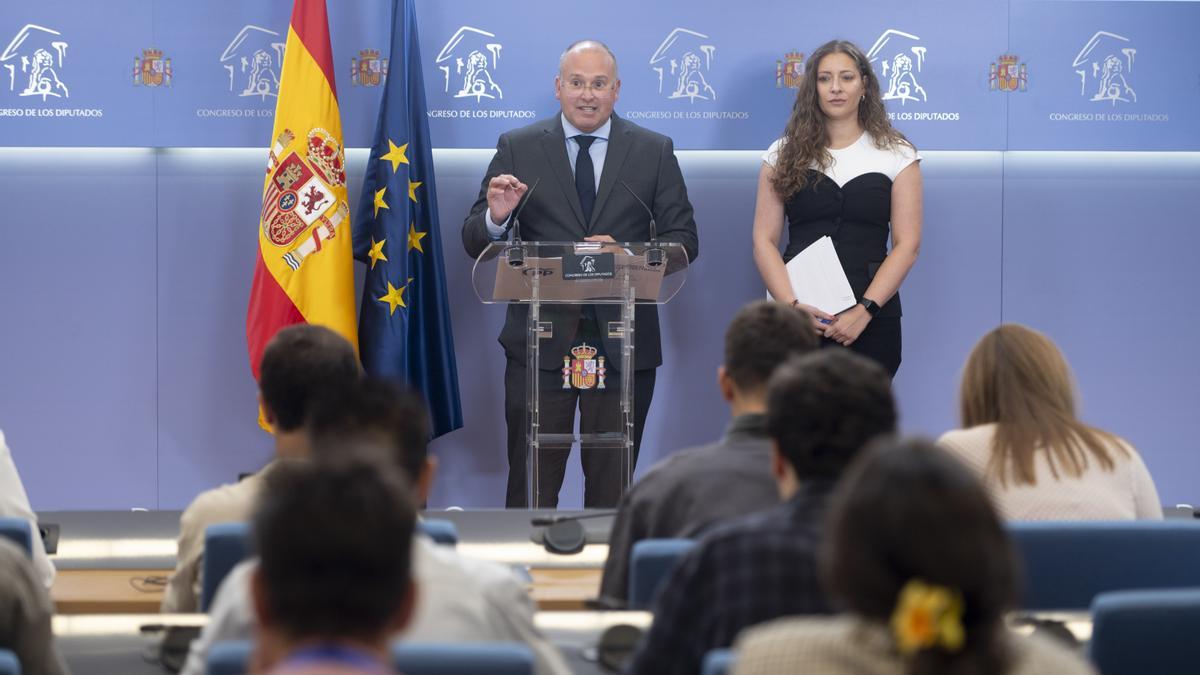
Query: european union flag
404	324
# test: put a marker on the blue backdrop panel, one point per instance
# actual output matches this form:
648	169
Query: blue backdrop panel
65	83
721	187
123	356
1099	252
1106	76
77	347
226	57
359	34
952	295
714	79
972	75
204	272
207	248
472	464
228	54
932	61
100	359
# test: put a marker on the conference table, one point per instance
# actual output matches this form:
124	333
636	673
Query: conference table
132	644
117	562
140	591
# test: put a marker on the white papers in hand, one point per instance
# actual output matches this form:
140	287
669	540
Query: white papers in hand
818	279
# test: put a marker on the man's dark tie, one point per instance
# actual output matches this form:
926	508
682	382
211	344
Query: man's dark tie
585	176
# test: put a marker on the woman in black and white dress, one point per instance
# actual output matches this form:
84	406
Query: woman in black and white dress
841	170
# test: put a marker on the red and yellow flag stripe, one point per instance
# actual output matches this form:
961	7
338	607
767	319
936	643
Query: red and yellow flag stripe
304	270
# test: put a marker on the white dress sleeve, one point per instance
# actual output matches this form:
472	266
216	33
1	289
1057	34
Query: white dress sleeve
902	156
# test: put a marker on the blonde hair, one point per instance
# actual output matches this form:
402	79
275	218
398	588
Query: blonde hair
1017	379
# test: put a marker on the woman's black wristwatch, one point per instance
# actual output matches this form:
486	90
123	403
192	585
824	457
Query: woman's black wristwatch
870	306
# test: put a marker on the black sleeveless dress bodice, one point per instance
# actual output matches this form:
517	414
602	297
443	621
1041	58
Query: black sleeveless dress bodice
856	216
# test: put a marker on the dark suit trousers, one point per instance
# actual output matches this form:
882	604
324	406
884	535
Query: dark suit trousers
598	410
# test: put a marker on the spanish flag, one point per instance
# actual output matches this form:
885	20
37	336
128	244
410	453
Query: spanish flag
304	271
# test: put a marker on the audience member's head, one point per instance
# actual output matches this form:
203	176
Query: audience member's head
913	543
1017	379
298	363
334	538
762	336
376	412
822	409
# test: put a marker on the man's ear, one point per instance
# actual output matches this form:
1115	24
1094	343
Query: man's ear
425	480
785	474
258	597
408	607
269	645
779	463
268	415
725	383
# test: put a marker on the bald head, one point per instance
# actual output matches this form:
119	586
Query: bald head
586	46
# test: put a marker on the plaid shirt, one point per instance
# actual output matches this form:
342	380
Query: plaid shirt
748	571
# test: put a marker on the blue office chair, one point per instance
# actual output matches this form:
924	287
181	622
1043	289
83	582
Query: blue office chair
718	662
19	531
442	531
650	562
9	665
417	658
1135	632
229	658
435	658
1067	564
225	545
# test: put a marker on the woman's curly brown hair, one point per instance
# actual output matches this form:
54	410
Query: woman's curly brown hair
805	141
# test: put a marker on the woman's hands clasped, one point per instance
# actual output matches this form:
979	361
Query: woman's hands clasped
848	325
820	320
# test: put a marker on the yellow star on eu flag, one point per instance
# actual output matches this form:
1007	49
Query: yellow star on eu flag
394	297
376	252
414	238
379	203
412	189
395	155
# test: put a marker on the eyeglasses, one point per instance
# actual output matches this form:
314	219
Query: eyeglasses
576	85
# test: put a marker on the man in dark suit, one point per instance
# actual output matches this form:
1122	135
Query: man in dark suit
586	161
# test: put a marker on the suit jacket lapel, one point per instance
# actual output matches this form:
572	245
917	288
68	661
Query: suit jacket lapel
618	148
554	144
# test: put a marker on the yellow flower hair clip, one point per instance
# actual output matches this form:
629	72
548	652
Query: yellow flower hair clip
927	615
